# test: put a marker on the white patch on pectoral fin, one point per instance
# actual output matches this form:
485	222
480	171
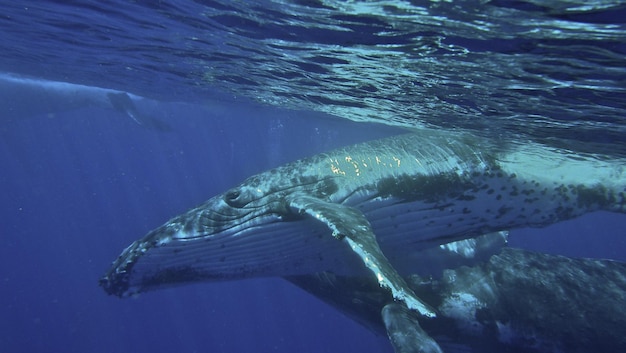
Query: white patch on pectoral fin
349	224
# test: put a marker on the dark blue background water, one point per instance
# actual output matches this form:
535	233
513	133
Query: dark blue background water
79	187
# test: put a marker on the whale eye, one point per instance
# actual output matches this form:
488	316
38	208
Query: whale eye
234	198
232	195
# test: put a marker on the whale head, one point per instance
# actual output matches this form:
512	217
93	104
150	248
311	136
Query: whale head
247	231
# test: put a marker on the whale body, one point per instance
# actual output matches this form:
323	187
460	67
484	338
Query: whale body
517	301
384	201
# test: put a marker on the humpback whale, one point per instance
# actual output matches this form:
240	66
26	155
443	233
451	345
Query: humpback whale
383	201
517	301
24	97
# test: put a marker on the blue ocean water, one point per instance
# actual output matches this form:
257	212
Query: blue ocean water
245	86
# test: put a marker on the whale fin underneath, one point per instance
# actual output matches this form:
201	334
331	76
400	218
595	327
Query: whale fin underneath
123	103
349	224
405	333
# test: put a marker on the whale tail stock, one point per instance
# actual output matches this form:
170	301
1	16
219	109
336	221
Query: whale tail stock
593	182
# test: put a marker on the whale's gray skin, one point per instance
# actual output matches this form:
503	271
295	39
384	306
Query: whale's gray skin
405	193
404	331
25	97
518	301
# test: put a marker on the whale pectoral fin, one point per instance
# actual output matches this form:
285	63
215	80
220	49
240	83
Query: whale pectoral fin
122	102
405	333
349	224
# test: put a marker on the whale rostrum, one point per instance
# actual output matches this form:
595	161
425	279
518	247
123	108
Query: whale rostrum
385	201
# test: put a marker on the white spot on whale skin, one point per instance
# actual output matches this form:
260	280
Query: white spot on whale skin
163	241
465	248
462	308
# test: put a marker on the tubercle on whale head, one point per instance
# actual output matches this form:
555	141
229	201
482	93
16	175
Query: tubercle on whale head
116	281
